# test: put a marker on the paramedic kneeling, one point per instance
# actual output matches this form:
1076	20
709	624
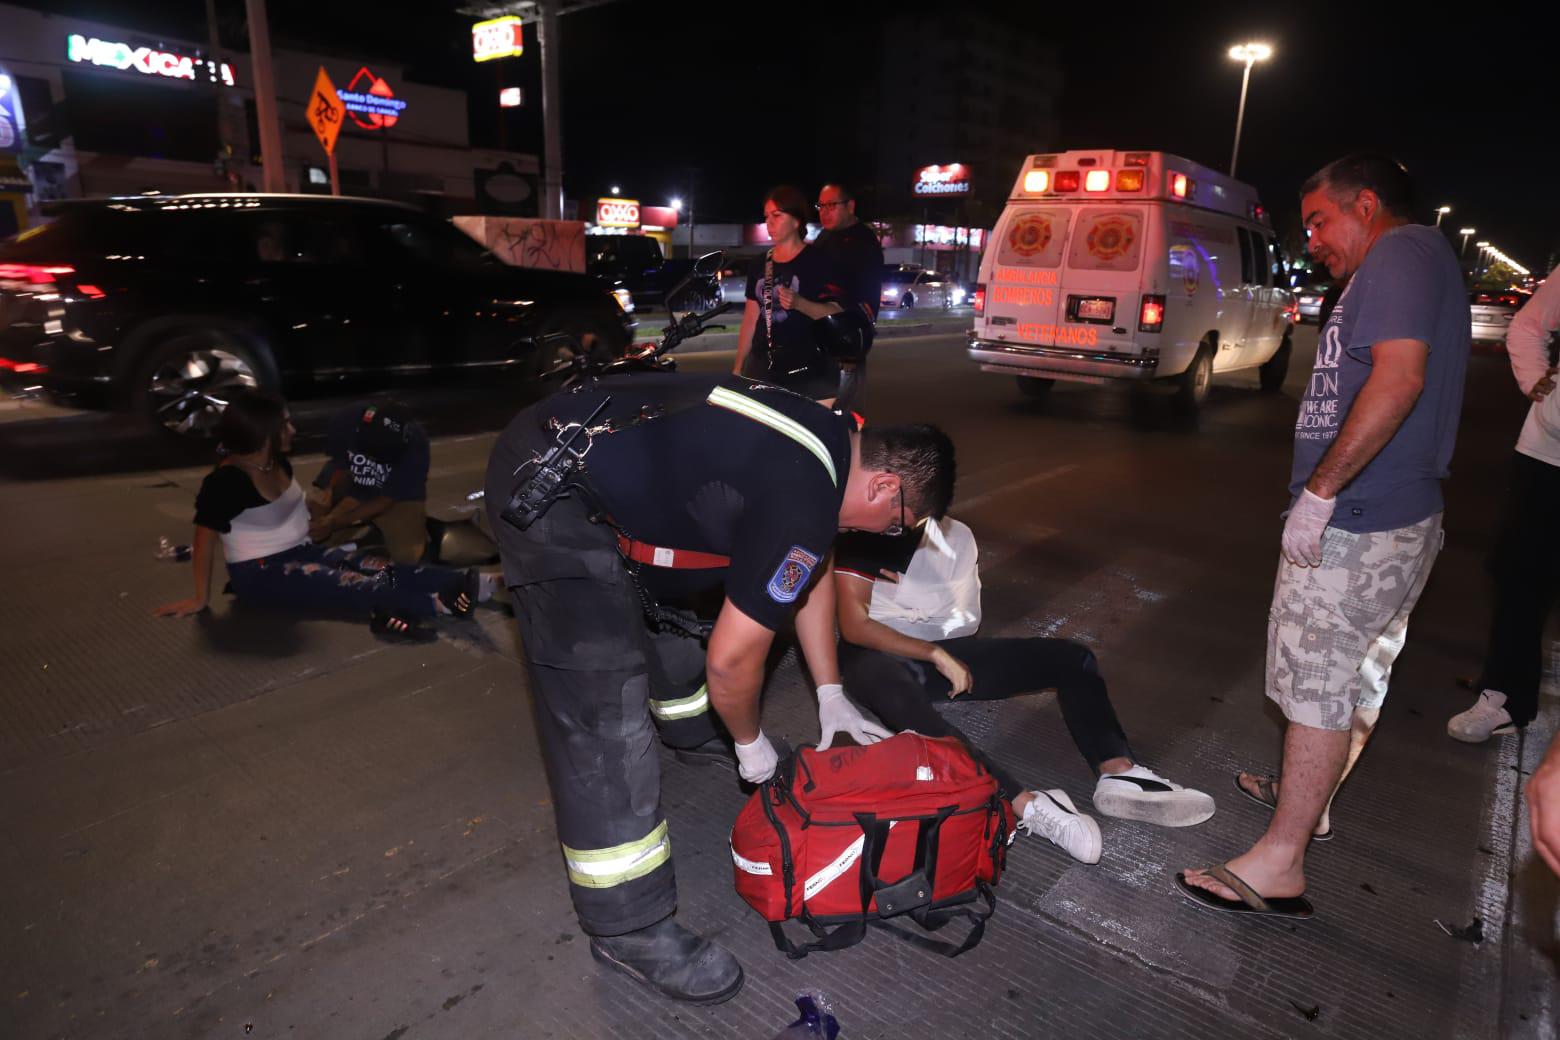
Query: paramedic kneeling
909	608
685	484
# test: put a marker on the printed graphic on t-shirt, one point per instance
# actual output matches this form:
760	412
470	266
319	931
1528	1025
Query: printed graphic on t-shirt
779	313
791	576
1321	408
367	471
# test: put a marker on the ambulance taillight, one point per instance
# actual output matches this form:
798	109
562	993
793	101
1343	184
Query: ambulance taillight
1151	316
1178	185
1037	181
1066	180
980	299
1129	180
1097	180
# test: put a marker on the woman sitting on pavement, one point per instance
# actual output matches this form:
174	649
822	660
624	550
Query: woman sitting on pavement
791	287
909	607
252	503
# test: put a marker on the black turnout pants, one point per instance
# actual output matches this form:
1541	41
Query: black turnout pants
901	692
594	666
1526	570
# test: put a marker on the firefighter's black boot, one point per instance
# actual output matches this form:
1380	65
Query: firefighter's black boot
668	957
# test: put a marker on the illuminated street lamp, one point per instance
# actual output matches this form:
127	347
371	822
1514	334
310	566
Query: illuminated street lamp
677	204
1465	233
616	190
1250	53
1440	212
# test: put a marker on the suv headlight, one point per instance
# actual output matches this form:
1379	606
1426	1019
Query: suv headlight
625	300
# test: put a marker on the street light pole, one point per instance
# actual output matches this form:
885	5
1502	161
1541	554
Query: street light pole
1440	212
1250	53
1466	233
552	118
273	173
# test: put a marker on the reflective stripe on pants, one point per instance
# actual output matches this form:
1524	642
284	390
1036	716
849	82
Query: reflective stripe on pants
605	868
682	707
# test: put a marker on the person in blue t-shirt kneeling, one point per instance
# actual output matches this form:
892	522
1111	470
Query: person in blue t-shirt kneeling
376	471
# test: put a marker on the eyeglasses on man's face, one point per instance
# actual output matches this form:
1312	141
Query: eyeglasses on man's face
895	530
827	205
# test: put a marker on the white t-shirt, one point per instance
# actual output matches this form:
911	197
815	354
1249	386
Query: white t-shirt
937	596
1527	346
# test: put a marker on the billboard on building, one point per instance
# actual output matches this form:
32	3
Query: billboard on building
936	181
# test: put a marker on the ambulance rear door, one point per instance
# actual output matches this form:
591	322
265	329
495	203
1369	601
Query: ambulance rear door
1023	287
1103	276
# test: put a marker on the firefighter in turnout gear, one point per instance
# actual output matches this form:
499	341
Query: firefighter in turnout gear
686	510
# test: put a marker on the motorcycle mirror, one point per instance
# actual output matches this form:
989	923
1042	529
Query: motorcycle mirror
708	264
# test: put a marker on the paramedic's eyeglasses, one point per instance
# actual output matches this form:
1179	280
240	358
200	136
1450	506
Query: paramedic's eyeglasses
895	530
828	205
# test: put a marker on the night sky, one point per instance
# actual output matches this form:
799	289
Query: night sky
657	93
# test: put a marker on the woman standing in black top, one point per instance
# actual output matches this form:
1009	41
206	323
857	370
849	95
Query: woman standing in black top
790	288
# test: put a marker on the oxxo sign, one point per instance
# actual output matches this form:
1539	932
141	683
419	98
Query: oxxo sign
497	38
149	61
953	179
616	212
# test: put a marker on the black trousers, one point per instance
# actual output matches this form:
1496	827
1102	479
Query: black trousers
597	673
901	692
1525	567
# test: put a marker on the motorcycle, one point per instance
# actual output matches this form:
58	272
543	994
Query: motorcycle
466	541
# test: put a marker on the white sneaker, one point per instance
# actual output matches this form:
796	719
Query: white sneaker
1051	814
1140	793
1486	718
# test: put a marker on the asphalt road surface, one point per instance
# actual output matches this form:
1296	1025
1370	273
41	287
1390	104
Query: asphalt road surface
245	826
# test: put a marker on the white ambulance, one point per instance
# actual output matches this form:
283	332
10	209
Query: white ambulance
1137	266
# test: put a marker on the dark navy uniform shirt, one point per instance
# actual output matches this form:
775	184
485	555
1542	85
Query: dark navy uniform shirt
731	467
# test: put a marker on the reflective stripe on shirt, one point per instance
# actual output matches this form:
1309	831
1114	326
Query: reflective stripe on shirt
777	421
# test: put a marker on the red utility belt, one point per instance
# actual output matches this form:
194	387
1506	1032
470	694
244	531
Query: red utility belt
677	559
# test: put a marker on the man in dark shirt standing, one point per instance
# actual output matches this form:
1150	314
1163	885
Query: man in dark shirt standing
858	256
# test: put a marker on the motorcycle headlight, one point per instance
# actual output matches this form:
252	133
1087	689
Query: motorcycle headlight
625	300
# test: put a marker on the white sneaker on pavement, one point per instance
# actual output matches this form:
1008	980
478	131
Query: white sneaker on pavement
1486	718
1140	793
1051	814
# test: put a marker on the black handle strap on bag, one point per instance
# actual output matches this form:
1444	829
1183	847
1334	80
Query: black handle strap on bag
910	895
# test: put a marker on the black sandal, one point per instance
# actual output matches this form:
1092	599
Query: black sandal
395	627
461	601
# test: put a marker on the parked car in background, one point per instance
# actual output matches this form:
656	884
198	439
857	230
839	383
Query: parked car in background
164	303
1310	302
733	278
1491	311
637	264
908	287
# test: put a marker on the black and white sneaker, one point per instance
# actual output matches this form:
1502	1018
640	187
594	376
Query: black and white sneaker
1051	814
1142	794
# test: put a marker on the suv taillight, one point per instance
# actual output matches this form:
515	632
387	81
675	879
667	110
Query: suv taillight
34	276
1151	316
979	299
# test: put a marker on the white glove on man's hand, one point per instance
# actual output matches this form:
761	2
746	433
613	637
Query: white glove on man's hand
836	715
1303	530
756	762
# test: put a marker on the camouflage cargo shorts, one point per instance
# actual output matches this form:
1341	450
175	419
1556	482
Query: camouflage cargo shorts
1335	630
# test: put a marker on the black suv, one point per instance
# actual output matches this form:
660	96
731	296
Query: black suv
162	302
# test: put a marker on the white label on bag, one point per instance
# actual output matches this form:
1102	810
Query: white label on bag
750	866
847	859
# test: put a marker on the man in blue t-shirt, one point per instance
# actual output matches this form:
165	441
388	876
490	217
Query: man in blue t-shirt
1373	442
376	471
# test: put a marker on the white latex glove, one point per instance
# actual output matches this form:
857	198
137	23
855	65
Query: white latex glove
1303	530
836	715
756	762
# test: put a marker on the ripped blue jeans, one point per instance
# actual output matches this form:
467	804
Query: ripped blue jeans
319	580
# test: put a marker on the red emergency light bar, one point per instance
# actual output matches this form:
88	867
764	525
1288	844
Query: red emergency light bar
1066	180
1097	180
